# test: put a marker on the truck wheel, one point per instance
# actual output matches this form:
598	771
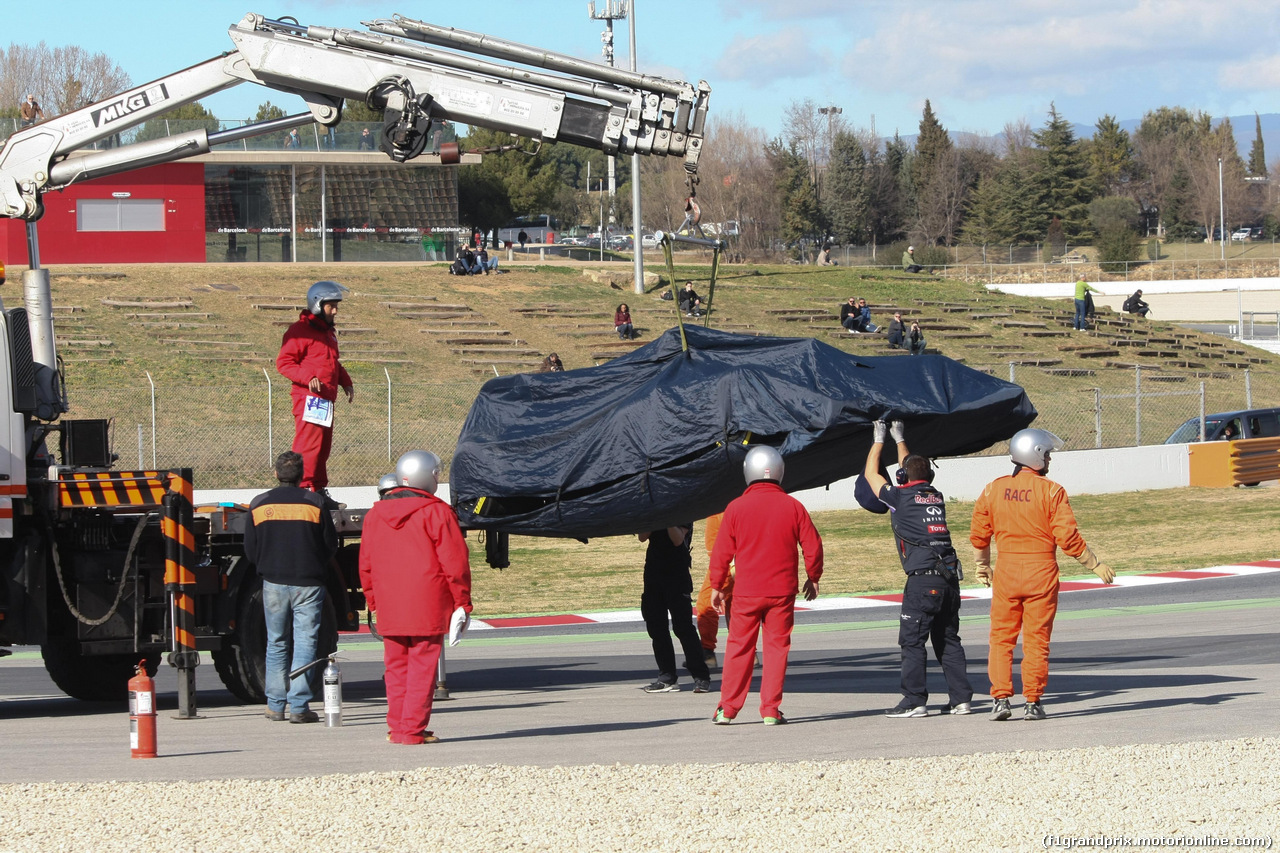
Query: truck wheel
242	664
93	678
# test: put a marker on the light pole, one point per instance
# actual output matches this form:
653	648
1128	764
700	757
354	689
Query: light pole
1222	218
614	10
830	113
601	219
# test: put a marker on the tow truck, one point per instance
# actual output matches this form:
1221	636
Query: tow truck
102	568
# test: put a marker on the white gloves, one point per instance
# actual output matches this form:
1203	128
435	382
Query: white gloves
1091	562
982	559
458	624
881	432
898	431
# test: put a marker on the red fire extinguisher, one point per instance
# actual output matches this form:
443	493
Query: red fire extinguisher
142	713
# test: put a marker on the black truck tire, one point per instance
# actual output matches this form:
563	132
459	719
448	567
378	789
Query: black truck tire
93	678
242	663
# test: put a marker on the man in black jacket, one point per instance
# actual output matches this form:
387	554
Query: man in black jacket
290	537
1135	305
668	591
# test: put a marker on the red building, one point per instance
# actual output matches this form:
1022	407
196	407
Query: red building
251	205
151	215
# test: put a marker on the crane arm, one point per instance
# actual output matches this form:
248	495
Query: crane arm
414	71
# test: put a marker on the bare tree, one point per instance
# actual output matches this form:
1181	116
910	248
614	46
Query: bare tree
61	78
812	128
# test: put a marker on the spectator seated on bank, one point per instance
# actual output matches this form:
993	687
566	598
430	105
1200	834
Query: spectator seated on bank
465	263
915	339
690	301
484	263
824	256
1135	305
851	316
622	322
897	331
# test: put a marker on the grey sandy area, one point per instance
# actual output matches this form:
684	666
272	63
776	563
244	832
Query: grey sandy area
1162	730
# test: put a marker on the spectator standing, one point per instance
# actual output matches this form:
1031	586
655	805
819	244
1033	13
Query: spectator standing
897	331
1135	305
1029	516
909	261
293	140
309	359
668	590
30	111
759	534
915	339
931	597
416	576
366	142
622	322
522	238
1083	288
290	538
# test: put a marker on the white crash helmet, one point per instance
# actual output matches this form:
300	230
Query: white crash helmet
386	483
763	463
419	469
1031	447
322	292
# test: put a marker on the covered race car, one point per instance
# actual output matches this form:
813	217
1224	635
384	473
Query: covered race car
657	437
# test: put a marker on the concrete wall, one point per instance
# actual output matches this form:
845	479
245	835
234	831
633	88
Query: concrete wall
1081	472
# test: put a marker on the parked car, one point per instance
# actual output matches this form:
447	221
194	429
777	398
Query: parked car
1246	423
1256	232
648	241
1240	235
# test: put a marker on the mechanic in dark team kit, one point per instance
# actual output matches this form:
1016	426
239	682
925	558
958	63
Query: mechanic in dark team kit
668	591
931	598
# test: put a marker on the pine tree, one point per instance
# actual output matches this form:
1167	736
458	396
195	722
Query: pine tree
846	190
987	218
1257	153
932	145
1061	178
1111	163
801	215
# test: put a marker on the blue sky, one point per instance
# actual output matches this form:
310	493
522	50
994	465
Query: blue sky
982	63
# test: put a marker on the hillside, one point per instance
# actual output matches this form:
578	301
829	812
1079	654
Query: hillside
207	336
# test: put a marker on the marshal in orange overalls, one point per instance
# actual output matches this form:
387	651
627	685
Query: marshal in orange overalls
1030	517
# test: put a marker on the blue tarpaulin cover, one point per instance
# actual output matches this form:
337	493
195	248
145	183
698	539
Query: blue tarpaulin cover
657	437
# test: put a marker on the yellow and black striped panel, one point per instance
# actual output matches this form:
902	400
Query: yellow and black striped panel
112	488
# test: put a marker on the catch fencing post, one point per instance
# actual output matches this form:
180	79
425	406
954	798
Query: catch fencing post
1137	406
271	445
1248	389
1011	372
388	375
153	417
1097	418
1202	410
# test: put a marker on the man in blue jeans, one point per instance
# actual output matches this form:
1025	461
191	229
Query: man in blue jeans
1082	289
290	537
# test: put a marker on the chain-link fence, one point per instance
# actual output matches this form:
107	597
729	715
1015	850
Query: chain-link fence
1147	411
230	434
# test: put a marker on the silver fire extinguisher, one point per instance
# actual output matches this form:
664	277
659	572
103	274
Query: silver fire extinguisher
332	693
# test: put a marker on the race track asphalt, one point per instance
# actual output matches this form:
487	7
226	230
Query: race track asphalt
1159	664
